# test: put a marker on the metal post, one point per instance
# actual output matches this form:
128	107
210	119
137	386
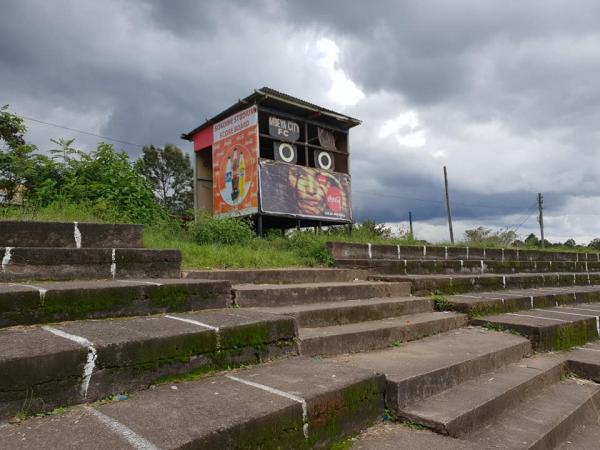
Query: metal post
259	225
448	206
412	236
541	217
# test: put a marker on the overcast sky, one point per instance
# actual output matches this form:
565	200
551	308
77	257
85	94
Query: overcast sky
505	94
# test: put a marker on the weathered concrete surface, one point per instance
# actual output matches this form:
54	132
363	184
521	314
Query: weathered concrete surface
221	412
30	263
543	421
555	328
29	303
397	436
455	284
585	361
351	311
466	407
344	250
419	369
466	266
278	276
585	436
49	370
376	334
248	295
495	302
17	233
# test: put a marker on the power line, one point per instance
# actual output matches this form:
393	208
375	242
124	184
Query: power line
89	133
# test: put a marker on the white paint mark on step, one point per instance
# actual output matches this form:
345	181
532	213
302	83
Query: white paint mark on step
282	394
536	317
398	248
424	250
445	252
482	267
369	250
136	441
90	362
41	290
467	253
200	324
7	257
504	281
517	254
151	283
461	265
77	236
531	300
113	264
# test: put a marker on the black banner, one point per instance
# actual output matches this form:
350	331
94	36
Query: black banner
305	192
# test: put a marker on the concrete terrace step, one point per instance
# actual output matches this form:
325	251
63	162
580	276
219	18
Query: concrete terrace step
398	436
422	368
45	263
247	295
551	328
585	361
343	250
376	334
25	304
468	266
351	311
301	403
455	284
543	421
74	362
463	408
585	436
16	233
478	303
278	276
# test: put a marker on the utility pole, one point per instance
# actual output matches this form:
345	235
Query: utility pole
448	206
540	200
412	236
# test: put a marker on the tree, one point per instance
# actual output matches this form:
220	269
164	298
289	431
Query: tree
170	173
570	243
595	243
532	240
488	236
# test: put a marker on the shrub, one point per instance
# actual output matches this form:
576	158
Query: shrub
209	230
311	246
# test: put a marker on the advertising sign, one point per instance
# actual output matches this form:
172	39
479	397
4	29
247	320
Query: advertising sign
286	130
235	164
304	192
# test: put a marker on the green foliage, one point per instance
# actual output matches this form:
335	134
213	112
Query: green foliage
375	229
209	230
440	302
104	180
595	244
170	174
310	246
489	237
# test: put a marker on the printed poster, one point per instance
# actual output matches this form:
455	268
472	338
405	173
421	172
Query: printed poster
235	164
304	192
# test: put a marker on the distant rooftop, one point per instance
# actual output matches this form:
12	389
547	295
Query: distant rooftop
270	98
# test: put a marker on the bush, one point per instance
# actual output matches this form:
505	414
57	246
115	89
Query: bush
307	244
209	230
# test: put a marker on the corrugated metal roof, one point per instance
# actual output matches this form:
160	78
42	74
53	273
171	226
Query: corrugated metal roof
268	93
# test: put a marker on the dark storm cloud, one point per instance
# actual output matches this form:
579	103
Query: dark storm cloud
506	93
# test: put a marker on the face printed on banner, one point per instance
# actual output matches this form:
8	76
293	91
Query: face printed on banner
316	192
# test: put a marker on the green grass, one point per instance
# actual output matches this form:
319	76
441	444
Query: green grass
305	249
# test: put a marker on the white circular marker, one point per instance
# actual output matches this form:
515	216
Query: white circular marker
286	152
325	161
